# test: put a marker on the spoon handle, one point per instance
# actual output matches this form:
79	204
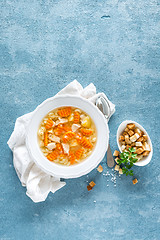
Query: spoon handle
110	160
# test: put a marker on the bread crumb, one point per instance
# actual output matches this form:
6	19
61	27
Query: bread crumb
135	181
100	169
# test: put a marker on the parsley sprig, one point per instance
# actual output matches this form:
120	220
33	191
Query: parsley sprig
126	161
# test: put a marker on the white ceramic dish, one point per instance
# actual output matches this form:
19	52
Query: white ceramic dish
121	128
87	165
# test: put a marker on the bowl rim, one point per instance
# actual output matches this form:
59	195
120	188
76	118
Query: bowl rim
148	158
105	140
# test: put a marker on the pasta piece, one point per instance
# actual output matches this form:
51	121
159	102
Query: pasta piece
67	128
79	153
86	132
52	156
76	117
59	130
68	136
59	147
65	112
78	137
45	139
85	142
72	157
49	123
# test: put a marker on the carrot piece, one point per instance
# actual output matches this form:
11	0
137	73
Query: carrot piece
53	155
64	112
85	142
68	136
76	117
45	139
49	123
79	153
86	132
72	157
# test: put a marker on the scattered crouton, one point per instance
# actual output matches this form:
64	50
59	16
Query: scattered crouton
121	138
120	171
131	125
116	153
116	160
135	181
117	168
89	188
131	133
100	169
92	184
133	144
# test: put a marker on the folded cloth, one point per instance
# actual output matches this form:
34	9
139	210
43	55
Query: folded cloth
37	182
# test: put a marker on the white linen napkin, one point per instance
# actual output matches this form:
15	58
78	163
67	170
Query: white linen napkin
37	182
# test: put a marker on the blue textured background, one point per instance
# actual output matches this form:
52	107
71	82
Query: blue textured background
114	44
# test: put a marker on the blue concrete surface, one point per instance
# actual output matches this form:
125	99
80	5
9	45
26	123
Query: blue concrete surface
114	44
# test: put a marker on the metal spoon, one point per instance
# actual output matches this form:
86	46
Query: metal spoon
104	107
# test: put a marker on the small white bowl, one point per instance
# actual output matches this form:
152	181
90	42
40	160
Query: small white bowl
121	128
88	164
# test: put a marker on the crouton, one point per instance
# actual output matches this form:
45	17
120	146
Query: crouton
127	139
131	125
135	181
126	129
92	184
146	153
139	150
123	147
131	133
116	153
116	160
140	139
124	133
145	138
128	146
137	130
146	147
121	138
117	168
134	137
133	144
139	157
89	188
120	171
138	144
100	169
